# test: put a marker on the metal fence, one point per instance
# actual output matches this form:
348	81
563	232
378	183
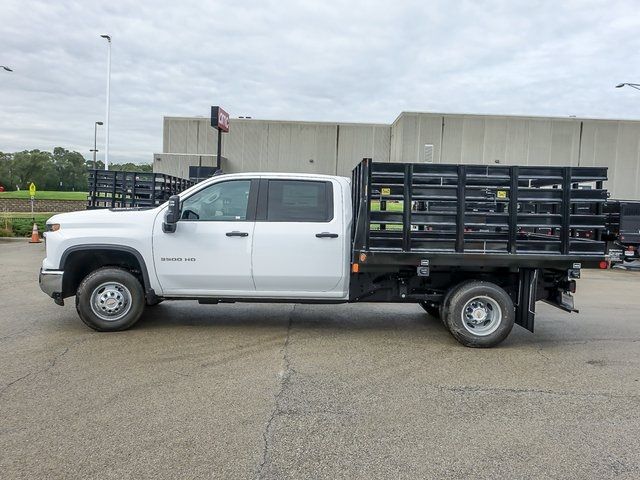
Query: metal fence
111	189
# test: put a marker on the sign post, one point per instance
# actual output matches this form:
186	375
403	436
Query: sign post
219	121
32	194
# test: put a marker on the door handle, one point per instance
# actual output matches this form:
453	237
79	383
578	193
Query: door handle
326	235
236	234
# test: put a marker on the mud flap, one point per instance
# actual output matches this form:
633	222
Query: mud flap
527	291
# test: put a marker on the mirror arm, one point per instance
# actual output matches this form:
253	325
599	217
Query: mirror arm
168	227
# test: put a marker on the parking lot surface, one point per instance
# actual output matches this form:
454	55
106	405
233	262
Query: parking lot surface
343	391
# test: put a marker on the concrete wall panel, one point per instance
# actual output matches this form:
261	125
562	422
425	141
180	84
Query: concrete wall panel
626	164
429	133
565	143
472	146
452	139
517	144
356	142
495	141
539	142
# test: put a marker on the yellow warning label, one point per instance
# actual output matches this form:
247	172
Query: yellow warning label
386	191
501	194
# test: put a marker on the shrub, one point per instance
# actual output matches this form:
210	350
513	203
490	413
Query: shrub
22	226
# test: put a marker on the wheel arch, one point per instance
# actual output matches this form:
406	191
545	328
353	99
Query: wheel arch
79	260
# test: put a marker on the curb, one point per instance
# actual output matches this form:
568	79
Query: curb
14	239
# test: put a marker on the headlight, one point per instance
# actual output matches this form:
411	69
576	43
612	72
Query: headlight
52	227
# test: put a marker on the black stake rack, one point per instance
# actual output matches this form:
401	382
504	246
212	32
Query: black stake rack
468	210
111	189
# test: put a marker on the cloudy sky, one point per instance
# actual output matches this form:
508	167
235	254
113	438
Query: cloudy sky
305	60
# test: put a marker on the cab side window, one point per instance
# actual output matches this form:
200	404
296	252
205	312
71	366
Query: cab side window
224	201
299	201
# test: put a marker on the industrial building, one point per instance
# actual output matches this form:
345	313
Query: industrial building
335	148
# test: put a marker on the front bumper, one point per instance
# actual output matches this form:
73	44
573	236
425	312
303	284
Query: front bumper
51	284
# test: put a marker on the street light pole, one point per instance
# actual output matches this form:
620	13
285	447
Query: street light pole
632	85
106	126
6	68
95	145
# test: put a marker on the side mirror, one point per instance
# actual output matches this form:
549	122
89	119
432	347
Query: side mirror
172	215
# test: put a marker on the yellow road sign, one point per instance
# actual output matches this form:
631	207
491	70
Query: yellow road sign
32	189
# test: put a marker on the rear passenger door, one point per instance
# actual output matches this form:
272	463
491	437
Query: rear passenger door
298	245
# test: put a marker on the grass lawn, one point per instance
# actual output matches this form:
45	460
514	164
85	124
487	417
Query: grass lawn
394	206
38	215
46	195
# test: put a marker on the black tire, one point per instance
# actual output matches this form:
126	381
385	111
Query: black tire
445	300
431	308
479	314
110	299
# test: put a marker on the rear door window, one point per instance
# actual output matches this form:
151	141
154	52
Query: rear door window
299	201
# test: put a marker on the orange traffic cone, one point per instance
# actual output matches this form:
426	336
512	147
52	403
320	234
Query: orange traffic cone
35	237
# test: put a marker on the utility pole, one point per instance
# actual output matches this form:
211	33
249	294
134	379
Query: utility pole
106	126
95	145
219	121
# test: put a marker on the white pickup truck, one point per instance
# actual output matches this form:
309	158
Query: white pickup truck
310	239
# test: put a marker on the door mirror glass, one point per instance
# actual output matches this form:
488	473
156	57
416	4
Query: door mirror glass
172	214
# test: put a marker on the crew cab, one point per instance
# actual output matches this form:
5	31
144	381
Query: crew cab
476	246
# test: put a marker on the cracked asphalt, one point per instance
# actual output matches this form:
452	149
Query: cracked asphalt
345	391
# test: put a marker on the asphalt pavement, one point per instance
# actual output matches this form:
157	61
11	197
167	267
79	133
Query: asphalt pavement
338	391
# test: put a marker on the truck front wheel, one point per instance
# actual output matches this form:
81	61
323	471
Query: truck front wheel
479	314
110	299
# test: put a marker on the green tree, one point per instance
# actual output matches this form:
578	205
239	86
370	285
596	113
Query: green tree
6	171
34	166
131	167
71	169
61	170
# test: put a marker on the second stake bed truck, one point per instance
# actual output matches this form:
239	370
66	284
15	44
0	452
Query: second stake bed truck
475	245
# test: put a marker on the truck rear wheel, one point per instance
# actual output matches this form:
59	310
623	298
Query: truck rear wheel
110	299
479	314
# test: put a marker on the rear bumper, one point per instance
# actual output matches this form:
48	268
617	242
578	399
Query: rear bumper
51	283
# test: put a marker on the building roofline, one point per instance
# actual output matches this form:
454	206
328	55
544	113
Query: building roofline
516	116
411	112
307	122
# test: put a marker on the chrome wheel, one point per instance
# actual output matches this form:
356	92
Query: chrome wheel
481	316
111	301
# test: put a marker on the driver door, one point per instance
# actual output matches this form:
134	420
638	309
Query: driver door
209	254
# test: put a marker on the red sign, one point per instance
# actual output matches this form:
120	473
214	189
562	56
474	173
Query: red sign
219	119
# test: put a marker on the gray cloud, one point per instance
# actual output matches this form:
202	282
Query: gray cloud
311	60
